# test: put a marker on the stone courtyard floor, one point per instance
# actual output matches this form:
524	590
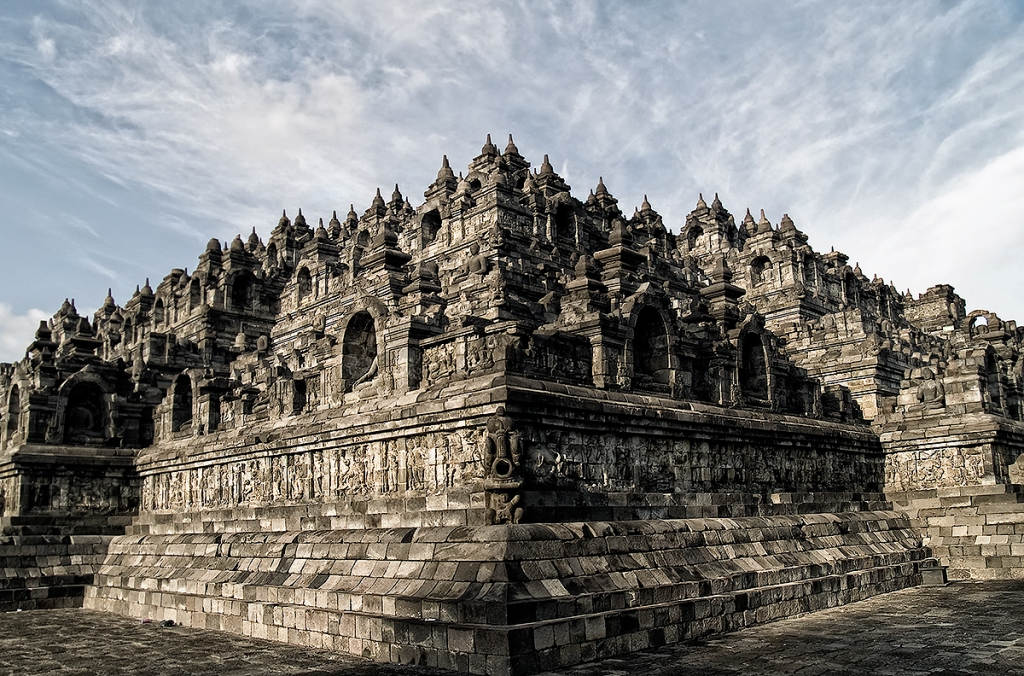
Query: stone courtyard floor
965	628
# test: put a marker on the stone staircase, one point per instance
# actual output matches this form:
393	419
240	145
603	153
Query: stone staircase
506	599
46	562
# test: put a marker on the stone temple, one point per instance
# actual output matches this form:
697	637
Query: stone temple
509	430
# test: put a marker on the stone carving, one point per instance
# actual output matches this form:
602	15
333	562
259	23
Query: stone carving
502	451
343	376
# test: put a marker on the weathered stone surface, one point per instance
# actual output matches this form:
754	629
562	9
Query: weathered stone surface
918	630
365	433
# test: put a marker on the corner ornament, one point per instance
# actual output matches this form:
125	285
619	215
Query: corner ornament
502	453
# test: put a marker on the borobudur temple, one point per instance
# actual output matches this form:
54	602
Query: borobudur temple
508	430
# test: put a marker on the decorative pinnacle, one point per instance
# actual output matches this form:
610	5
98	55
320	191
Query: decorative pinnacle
748	218
511	147
701	204
489	148
645	205
764	219
601	189
545	167
717	203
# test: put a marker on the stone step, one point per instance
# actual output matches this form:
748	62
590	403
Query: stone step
495	598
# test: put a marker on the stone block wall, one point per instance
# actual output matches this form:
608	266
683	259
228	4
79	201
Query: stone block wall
507	599
59	509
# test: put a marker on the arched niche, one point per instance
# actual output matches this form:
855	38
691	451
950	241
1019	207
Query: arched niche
147	428
563	224
159	314
692	235
85	414
195	294
430	226
993	393
850	288
753	370
359	349
242	287
650	350
304	283
181	404
13	412
272	254
758	268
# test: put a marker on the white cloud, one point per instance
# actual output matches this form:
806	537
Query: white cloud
868	123
16	331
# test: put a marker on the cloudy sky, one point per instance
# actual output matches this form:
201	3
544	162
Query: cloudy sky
131	134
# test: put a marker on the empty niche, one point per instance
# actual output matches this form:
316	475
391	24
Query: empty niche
430	226
181	404
13	411
241	291
195	294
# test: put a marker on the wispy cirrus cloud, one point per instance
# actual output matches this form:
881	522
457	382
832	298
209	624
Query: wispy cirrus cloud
157	125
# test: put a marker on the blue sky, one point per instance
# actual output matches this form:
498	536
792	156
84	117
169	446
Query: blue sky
131	134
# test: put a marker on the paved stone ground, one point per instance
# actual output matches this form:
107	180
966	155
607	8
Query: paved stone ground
960	629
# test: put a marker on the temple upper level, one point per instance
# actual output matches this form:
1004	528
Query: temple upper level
501	270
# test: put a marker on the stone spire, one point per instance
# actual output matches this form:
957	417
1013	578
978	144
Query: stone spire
645	206
283	222
351	219
701	204
254	239
237	246
377	206
300	220
510	147
445	172
601	189
334	225
489	148
545	167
